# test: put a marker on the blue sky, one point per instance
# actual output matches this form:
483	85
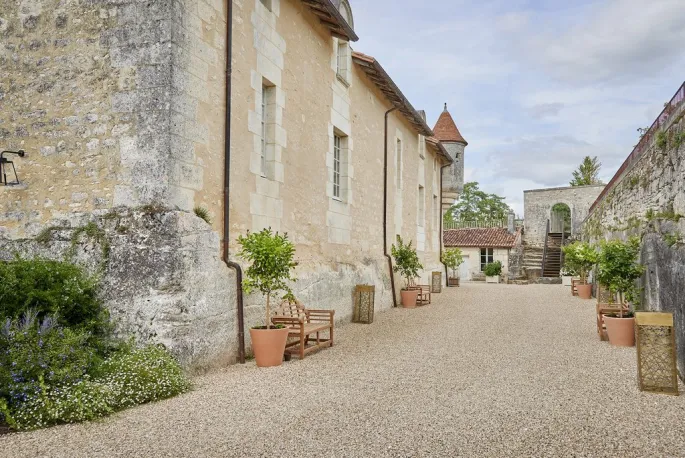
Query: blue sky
534	86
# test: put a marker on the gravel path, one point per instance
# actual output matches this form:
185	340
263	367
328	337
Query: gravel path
486	370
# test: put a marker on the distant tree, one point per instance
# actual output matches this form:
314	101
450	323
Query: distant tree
477	205
587	172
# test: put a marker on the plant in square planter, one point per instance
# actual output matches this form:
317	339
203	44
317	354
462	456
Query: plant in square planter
453	258
408	265
492	272
618	269
568	274
581	257
271	257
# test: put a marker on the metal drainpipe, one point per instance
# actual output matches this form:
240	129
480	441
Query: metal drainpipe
227	183
385	207
447	281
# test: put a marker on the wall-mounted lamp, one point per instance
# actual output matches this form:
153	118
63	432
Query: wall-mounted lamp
4	163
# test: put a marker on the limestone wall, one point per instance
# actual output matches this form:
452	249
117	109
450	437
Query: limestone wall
453	176
648	201
538	203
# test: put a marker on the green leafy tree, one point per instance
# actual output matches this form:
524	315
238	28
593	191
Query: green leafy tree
587	172
406	260
580	257
618	268
453	258
271	255
477	205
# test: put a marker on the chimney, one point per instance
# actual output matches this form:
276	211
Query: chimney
511	222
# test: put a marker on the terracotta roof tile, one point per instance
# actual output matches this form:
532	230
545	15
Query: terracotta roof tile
446	130
495	237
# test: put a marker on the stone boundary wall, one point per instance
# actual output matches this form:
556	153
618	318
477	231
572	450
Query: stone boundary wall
648	201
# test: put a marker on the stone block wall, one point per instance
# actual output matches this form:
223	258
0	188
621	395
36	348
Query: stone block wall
648	200
538	203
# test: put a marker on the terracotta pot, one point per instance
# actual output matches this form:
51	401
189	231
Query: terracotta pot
409	298
268	346
621	331
584	291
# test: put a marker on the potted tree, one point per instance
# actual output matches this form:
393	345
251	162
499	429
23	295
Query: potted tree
453	258
492	272
568	274
617	270
271	257
408	265
582	258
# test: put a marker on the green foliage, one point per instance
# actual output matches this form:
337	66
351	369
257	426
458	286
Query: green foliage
494	269
661	140
272	260
678	139
634	181
587	172
94	233
52	288
203	213
34	351
580	257
672	238
477	205
406	260
139	375
617	266
453	258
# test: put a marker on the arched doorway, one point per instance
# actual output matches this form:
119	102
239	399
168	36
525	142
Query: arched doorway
560	219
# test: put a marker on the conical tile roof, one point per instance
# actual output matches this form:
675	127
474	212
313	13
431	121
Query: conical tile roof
446	130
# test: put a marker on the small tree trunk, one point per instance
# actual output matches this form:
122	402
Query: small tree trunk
268	312
620	303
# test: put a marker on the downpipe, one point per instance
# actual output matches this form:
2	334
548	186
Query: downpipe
385	207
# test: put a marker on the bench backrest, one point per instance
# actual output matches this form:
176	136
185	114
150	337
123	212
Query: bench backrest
290	309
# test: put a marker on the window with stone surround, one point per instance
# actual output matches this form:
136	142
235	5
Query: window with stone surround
421	206
422	146
398	156
268	140
340	149
486	257
343	58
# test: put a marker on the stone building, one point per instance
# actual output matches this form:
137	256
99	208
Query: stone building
122	109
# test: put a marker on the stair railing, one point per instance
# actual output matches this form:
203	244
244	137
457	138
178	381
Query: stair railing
561	254
544	250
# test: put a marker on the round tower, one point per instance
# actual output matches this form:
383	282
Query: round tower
447	132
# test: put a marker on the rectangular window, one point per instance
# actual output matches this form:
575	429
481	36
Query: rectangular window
337	153
422	206
398	154
341	67
486	257
265	93
422	146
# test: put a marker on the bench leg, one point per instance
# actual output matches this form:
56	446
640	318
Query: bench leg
331	338
303	341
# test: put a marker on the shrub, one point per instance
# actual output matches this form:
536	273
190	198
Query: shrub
271	257
406	260
580	257
140	375
203	213
79	401
453	258
35	352
618	267
494	269
52	288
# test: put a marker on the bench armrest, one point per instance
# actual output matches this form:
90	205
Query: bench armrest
287	321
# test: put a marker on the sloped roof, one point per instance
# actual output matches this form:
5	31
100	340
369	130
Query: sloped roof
446	129
435	143
330	16
387	86
491	237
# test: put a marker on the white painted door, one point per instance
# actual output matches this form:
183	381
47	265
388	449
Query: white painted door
465	269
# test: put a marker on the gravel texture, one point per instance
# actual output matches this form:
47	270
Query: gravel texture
486	370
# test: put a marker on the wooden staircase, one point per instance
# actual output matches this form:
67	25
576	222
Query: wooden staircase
551	263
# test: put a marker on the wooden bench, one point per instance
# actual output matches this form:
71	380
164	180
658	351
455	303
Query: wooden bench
305	327
574	286
607	303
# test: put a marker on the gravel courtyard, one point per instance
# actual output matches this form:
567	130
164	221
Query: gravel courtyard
486	370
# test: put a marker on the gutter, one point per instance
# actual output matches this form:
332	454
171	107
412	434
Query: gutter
227	183
385	207
442	241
